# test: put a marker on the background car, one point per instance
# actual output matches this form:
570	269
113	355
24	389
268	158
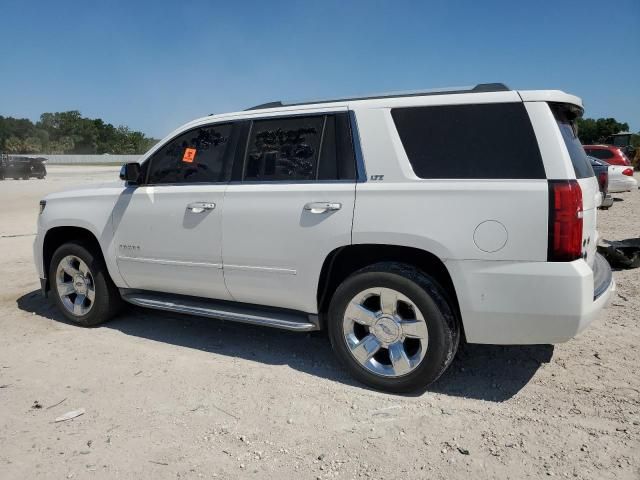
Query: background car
22	167
621	179
609	153
4	159
601	169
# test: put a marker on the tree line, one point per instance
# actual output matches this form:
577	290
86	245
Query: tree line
593	131
69	132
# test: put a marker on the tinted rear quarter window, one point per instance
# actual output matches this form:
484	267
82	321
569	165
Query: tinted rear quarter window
474	141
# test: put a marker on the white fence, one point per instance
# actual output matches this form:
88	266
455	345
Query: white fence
83	159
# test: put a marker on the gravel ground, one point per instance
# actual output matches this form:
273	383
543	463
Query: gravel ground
170	396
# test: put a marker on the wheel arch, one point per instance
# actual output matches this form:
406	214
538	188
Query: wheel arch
57	236
343	261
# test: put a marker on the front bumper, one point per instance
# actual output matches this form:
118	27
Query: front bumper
39	262
518	303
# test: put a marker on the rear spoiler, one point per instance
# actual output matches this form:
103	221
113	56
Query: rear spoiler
554	96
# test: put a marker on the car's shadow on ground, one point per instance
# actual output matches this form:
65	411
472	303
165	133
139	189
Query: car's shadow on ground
487	372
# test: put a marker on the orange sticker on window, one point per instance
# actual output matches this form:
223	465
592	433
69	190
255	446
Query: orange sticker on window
189	155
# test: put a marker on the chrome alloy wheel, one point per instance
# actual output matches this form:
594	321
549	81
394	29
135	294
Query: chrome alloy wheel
75	285
385	332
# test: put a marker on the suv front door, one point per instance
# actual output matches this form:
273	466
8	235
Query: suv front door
290	205
167	233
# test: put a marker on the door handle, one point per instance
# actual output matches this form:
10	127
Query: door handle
322	207
199	207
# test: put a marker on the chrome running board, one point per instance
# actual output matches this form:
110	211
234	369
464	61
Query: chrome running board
233	312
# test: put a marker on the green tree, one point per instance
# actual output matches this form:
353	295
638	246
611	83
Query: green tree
596	131
32	145
62	145
69	132
13	145
20	128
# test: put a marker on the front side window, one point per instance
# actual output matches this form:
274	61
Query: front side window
201	155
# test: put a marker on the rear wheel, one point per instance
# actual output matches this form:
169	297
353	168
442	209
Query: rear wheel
81	286
393	327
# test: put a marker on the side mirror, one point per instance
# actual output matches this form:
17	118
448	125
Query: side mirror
130	173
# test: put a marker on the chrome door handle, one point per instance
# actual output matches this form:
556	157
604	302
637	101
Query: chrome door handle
322	207
199	207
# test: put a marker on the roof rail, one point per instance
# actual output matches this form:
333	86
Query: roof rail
479	88
267	105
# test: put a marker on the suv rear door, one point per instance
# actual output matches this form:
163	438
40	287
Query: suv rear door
290	205
565	116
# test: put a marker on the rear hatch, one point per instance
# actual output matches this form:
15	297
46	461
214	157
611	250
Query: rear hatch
566	115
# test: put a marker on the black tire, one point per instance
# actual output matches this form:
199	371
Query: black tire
107	302
430	298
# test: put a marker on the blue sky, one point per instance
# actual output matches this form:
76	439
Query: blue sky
153	65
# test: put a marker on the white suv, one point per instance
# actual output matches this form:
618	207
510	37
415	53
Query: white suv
400	223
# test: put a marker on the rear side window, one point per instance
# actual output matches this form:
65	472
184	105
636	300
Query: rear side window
201	155
566	118
599	153
479	141
284	149
337	158
300	148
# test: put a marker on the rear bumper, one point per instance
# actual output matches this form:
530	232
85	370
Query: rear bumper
602	277
513	303
619	185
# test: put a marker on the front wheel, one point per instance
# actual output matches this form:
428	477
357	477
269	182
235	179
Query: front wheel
393	327
81	286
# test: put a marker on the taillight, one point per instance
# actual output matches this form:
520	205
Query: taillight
565	221
603	181
628	172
